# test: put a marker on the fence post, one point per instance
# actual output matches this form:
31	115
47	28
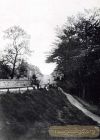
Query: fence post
33	87
8	91
27	89
19	90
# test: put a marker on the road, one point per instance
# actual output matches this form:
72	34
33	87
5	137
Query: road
73	101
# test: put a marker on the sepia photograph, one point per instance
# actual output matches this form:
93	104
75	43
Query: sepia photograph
49	69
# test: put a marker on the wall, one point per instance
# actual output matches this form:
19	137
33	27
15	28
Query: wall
14	83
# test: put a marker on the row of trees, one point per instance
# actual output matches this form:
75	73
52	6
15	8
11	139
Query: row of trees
21	71
77	55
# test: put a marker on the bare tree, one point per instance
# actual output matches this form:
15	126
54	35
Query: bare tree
17	47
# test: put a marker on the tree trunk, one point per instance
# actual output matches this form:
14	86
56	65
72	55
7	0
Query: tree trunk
13	70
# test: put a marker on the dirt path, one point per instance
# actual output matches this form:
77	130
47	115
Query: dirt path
74	102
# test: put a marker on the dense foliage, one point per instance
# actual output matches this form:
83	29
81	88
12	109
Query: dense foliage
22	69
5	70
77	55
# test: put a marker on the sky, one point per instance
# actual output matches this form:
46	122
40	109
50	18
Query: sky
40	18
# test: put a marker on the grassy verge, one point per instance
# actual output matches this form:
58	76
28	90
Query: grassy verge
29	115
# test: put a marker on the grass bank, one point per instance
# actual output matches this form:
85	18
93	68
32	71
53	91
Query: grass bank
29	115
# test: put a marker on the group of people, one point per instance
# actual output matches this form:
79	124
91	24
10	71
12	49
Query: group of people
44	86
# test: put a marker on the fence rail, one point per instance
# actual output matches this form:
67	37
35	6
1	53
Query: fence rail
17	89
14	80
